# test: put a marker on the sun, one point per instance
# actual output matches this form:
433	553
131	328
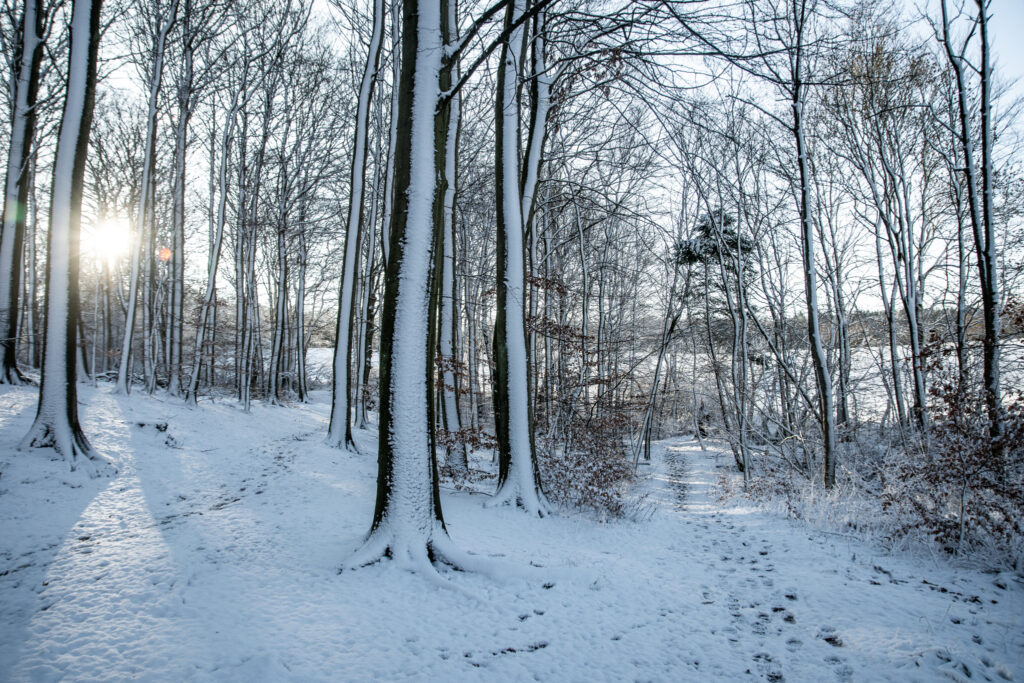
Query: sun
107	239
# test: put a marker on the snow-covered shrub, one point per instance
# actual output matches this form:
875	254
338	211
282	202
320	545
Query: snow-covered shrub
593	474
472	478
475	439
851	507
967	494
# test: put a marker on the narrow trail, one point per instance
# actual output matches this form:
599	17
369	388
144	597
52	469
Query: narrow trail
803	603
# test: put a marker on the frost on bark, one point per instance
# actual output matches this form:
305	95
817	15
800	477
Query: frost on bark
518	477
407	523
447	130
339	433
25	86
56	422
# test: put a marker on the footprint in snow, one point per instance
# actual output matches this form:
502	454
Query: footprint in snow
768	667
829	635
843	671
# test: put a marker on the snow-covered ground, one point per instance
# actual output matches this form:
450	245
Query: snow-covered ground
214	555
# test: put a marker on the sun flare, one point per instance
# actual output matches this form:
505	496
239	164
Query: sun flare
107	239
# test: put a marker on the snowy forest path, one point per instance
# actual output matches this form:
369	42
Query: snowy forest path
214	555
806	604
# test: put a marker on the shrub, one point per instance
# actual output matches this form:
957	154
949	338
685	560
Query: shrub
967	494
593	474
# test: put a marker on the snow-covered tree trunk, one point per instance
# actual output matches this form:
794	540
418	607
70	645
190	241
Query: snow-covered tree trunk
56	422
339	432
458	458
518	479
364	337
24	87
540	98
389	170
407	523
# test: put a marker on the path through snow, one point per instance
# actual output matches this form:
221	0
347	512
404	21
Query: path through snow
213	555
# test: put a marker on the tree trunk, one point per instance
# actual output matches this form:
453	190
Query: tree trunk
818	358
177	284
56	422
339	432
27	58
407	523
155	76
458	458
980	210
518	480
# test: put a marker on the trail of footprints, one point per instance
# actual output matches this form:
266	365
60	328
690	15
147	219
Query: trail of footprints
768	624
745	569
277	457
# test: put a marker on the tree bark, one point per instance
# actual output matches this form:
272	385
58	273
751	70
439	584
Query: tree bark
518	480
407	523
56	422
28	57
339	432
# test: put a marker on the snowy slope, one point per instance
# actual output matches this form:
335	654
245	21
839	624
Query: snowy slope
213	555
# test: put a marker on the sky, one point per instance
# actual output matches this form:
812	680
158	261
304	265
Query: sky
1007	27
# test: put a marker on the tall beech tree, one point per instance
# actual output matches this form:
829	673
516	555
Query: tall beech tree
56	422
339	432
24	89
518	478
408	526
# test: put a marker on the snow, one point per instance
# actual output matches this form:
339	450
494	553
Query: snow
214	555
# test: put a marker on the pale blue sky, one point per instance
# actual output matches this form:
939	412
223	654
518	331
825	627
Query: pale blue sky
1007	28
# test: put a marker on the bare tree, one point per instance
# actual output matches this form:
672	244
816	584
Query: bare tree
56	422
978	177
25	61
339	433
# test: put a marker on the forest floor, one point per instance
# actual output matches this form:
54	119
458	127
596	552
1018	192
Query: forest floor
213	555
